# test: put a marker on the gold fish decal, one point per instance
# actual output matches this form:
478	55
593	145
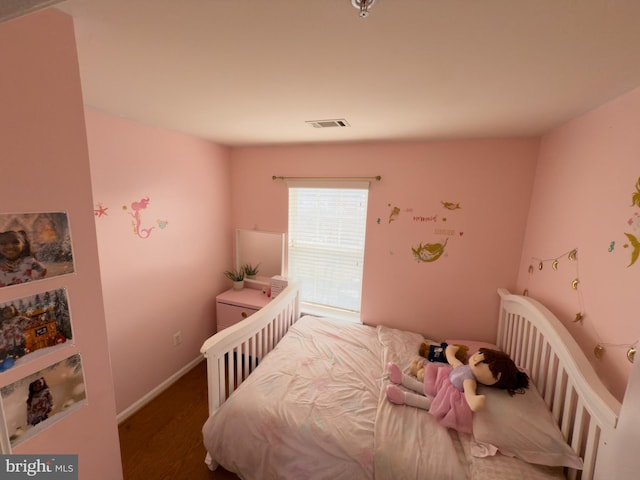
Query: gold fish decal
636	248
394	213
429	252
451	205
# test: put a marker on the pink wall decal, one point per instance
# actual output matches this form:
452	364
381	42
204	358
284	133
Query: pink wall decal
100	210
137	208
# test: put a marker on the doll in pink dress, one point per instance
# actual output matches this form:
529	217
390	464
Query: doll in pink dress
449	391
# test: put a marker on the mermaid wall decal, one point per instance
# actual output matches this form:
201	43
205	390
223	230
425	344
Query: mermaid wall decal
137	208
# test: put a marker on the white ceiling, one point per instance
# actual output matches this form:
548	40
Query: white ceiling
251	72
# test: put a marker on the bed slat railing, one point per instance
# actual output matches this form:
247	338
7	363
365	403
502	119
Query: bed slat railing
233	353
585	411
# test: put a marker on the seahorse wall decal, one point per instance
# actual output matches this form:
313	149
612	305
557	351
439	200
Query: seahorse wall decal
137	208
395	211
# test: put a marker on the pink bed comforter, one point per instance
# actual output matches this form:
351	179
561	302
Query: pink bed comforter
316	408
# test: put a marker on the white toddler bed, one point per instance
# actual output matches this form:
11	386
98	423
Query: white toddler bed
316	408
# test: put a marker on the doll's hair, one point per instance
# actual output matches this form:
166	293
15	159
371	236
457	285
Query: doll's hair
22	235
510	377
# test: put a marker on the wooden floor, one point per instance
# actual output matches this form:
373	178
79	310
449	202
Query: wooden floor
163	440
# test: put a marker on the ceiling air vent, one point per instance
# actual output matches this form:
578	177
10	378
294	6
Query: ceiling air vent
337	122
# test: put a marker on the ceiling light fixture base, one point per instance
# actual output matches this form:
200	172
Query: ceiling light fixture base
363	6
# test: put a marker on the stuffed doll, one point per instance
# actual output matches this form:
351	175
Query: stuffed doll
435	353
449	391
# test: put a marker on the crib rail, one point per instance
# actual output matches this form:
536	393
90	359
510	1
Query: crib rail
583	408
233	353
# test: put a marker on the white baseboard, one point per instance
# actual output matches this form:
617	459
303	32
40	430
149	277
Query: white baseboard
127	412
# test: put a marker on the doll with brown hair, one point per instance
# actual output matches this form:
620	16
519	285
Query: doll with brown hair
17	261
449	392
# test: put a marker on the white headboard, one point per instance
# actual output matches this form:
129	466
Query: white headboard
586	412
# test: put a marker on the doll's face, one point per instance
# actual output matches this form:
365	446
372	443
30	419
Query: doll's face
481	370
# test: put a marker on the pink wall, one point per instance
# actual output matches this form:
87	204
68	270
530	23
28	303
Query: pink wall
490	179
582	198
586	174
156	286
45	157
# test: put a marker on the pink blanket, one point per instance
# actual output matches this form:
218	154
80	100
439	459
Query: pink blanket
316	408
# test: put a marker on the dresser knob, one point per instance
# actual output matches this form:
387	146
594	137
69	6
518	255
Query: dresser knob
244	315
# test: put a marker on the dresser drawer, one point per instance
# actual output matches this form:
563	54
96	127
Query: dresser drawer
228	315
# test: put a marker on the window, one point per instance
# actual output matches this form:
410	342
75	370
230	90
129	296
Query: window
327	224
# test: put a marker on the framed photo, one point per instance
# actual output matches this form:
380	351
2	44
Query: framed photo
32	324
33	403
34	246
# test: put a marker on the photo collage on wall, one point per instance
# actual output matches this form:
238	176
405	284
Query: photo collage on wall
35	247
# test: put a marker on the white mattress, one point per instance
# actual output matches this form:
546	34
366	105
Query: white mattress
316	408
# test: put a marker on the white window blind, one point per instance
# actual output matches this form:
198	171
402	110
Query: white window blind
327	225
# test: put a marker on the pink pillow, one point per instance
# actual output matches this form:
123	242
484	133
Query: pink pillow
521	426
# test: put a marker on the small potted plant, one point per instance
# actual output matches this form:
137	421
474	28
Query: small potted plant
237	277
250	270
